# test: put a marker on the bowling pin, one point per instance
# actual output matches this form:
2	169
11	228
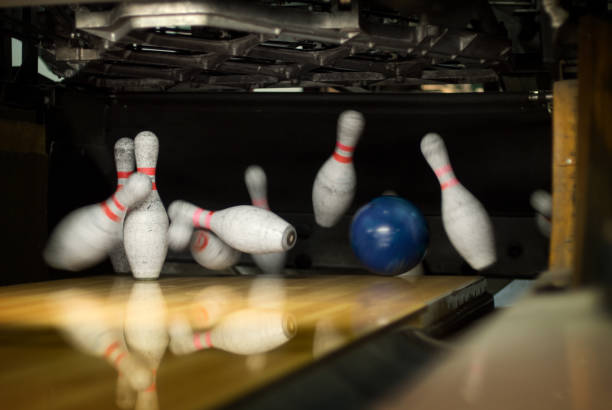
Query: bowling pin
124	162
145	231
145	333
255	179
87	235
541	201
211	252
246	332
334	185
464	218
246	228
85	326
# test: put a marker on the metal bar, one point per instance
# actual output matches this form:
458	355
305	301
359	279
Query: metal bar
336	27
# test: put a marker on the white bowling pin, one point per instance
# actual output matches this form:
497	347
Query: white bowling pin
211	252
246	332
464	218
255	179
245	228
335	183
124	162
541	201
86	236
145	231
145	333
85	326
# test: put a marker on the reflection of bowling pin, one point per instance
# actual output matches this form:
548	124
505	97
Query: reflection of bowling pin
247	331
211	252
267	292
255	179
146	226
145	332
246	228
465	220
211	304
124	162
86	236
334	186
85	326
327	338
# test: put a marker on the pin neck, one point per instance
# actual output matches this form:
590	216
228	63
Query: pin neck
114	354
122	176
343	153
197	218
261	203
446	176
113	214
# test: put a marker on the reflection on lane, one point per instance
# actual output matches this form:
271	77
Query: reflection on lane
133	336
247	331
248	326
145	333
85	324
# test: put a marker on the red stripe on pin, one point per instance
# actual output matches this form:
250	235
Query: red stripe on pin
345	147
208	341
196	217
201	241
443	170
124	174
109	213
207	219
148	171
154	187
197	342
261	202
152	387
449	183
119	358
111	348
118	204
342	158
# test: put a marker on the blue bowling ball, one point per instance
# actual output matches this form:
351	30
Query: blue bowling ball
389	235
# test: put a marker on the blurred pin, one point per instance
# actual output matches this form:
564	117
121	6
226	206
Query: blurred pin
541	201
256	182
211	252
87	235
245	228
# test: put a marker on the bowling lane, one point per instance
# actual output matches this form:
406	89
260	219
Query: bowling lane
112	342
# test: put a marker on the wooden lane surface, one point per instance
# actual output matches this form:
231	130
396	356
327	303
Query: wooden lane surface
41	370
